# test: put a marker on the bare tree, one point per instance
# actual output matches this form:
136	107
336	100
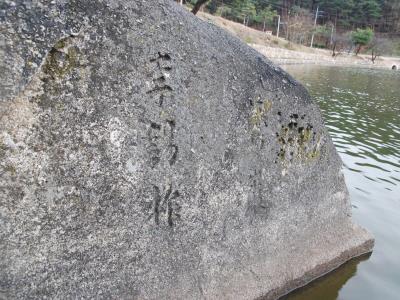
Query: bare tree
341	42
379	46
300	26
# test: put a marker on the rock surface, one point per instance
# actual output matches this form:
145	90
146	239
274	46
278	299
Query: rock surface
146	154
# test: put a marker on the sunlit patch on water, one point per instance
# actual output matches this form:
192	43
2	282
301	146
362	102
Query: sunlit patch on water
361	108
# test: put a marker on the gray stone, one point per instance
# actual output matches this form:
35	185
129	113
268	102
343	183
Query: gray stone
146	154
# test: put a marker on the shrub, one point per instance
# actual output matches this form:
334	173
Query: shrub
361	37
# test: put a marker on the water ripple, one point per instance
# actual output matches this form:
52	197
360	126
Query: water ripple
361	109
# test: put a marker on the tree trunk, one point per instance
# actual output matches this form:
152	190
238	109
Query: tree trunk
198	5
358	49
333	49
264	26
374	56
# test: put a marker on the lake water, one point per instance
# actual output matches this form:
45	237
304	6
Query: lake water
361	108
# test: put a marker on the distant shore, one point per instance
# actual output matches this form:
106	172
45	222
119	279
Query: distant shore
282	52
282	56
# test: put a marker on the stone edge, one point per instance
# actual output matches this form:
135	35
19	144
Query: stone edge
321	270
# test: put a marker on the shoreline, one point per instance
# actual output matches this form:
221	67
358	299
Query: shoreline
282	57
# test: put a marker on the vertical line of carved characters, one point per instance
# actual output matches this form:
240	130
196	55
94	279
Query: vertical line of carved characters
162	150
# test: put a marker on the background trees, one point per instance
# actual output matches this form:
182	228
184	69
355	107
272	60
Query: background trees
380	15
336	19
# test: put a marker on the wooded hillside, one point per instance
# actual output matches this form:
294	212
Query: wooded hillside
321	23
381	15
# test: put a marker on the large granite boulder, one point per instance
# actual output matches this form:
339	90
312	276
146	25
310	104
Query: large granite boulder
146	154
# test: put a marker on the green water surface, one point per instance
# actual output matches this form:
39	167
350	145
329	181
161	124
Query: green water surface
361	108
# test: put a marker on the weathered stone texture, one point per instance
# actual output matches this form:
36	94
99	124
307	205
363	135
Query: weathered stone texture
146	154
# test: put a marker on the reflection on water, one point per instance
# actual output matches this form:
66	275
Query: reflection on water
361	109
328	286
